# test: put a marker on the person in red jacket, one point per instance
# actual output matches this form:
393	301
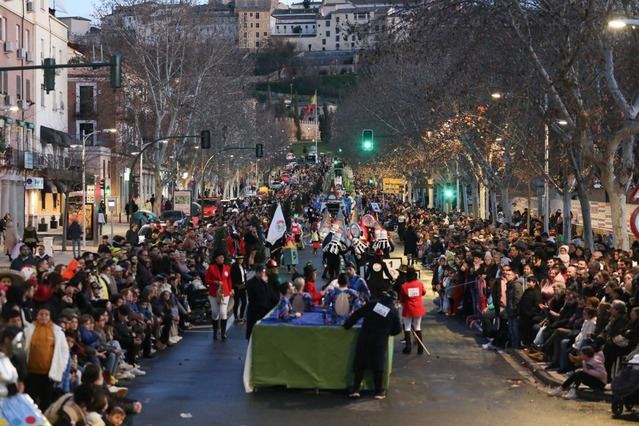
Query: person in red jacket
310	275
218	280
413	310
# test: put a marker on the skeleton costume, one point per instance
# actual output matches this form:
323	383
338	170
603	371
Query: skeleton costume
333	249
382	242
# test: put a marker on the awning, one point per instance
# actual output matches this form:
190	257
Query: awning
49	187
56	137
62	188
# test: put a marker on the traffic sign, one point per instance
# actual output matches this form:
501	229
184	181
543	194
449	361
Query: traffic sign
393	186
634	195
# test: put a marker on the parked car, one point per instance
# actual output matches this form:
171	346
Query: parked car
176	216
145	216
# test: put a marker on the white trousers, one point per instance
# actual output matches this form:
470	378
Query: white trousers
219	307
415	323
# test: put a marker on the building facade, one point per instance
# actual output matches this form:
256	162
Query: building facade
254	22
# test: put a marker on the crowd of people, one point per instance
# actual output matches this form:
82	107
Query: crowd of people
73	333
523	288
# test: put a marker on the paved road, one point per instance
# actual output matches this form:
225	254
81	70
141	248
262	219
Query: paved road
199	382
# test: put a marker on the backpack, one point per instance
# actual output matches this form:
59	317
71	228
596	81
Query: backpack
342	304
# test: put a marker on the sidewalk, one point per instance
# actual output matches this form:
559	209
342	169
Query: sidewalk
554	379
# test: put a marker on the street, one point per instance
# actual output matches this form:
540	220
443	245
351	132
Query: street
199	382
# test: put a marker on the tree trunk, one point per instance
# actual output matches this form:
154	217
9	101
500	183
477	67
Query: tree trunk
493	206
618	216
584	202
475	192
566	213
505	204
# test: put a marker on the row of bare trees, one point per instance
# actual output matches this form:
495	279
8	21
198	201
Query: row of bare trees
183	76
560	71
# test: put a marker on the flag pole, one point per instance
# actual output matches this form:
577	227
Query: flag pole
316	126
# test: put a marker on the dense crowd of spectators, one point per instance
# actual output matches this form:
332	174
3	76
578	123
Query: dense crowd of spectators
75	332
573	308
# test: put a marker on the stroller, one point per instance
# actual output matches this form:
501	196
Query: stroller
199	305
625	388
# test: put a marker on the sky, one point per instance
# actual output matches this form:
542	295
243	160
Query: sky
84	8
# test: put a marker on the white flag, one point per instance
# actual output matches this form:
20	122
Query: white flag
277	229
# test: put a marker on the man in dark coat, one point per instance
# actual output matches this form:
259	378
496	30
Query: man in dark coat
261	299
410	244
381	320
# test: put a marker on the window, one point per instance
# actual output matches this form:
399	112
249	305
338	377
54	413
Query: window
3	28
18	36
257	44
310	47
84	128
336	46
4	82
244	15
328	33
265	34
245	25
352	45
27	39
257	35
86	99
323	48
277	27
337	19
257	15
251	25
251	14
337	38
328	24
18	87
245	35
27	90
42	49
257	25
323	42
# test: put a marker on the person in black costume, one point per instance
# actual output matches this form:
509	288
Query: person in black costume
378	276
261	299
381	320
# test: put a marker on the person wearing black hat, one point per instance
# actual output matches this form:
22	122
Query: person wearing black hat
261	298
381	320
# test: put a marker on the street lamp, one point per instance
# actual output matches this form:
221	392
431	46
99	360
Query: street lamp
85	138
620	23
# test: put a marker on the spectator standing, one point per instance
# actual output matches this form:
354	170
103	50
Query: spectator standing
47	357
11	237
74	233
514	292
238	279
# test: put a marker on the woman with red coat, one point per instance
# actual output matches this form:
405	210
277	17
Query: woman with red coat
413	310
310	275
218	280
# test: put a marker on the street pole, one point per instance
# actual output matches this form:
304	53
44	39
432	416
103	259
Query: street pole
546	169
84	191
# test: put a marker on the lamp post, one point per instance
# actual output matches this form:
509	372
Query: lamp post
85	138
620	23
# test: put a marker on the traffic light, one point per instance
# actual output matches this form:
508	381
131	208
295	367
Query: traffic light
102	184
259	150
49	74
205	139
116	71
368	143
449	193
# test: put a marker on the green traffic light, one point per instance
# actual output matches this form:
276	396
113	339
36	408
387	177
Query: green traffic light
448	193
367	145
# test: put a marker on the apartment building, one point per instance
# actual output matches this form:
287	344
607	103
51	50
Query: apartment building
334	25
254	22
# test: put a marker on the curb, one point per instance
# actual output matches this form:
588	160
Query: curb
554	379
